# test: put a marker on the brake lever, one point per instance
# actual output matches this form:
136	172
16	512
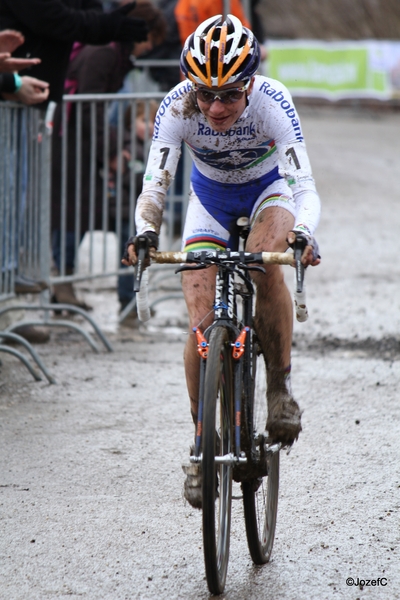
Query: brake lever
298	248
142	254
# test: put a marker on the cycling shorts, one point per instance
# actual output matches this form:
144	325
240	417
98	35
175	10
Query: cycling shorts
215	207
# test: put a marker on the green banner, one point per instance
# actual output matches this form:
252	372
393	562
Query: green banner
336	70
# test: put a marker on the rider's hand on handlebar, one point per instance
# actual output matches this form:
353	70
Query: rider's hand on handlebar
310	254
131	247
130	257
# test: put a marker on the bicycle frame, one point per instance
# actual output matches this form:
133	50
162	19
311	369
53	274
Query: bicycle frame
228	263
225	313
234	445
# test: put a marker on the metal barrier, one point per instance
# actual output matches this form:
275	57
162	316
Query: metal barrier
24	185
64	178
25	256
101	168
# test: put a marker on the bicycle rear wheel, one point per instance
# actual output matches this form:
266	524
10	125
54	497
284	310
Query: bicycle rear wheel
217	440
260	496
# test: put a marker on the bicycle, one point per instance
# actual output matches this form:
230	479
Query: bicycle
231	441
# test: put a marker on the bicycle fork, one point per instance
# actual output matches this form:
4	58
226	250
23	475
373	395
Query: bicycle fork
238	457
237	355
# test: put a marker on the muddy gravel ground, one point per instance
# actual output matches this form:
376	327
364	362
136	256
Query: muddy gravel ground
91	499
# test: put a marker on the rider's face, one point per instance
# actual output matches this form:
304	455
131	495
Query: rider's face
222	115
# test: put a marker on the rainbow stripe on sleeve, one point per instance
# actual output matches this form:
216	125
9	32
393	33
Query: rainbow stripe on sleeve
204	242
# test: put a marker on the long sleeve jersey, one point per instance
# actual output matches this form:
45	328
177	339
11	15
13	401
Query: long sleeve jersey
267	140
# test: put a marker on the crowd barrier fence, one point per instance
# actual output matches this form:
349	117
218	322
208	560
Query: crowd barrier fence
28	203
24	202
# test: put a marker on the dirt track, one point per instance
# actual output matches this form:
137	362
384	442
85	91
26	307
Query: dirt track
90	476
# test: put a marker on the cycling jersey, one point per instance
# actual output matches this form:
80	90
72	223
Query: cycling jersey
264	146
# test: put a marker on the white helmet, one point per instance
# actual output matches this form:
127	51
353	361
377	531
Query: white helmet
220	52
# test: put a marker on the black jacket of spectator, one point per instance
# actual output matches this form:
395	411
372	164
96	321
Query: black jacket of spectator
7	83
50	28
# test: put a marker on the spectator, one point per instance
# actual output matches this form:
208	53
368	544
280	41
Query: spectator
170	48
50	27
92	70
190	13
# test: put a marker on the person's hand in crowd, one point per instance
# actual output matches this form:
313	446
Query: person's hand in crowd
32	91
8	64
9	41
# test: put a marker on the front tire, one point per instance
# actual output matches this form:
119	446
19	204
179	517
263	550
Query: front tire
217	440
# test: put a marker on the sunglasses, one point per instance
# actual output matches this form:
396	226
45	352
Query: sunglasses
226	97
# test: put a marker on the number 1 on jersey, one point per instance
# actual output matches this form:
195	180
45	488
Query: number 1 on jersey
164	152
292	153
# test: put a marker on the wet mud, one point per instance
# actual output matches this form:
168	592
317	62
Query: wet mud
91	485
385	348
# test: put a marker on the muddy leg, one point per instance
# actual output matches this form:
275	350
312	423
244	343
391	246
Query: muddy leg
274	325
198	288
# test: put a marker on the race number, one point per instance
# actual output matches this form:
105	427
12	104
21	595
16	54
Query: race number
292	152
294	165
164	152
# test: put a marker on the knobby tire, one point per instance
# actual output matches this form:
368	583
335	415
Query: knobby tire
217	439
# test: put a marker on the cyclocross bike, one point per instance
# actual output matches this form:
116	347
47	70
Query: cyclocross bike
231	441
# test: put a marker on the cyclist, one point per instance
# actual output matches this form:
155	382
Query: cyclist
249	159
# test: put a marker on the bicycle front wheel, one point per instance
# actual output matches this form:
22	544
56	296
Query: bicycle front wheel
260	496
217	440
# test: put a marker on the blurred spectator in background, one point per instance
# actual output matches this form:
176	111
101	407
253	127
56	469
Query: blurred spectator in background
50	27
190	13
92	70
170	48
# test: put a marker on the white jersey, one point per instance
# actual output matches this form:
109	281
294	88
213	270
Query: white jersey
265	142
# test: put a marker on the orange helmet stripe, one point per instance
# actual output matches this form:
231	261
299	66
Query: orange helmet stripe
237	63
207	54
195	68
